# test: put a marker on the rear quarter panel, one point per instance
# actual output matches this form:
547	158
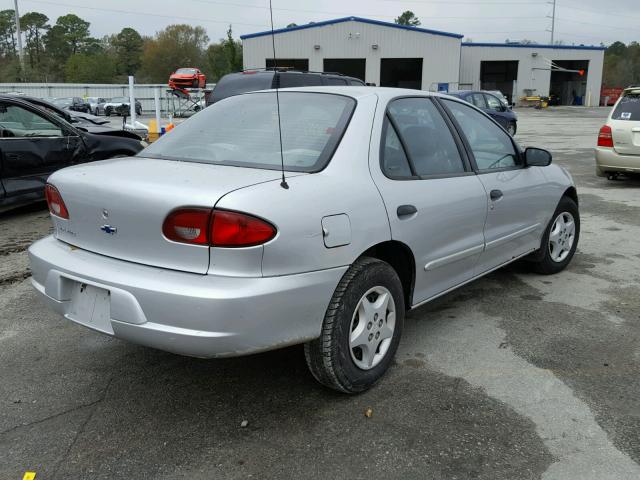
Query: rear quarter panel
343	187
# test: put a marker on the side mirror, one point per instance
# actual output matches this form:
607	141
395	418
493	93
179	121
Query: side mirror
537	157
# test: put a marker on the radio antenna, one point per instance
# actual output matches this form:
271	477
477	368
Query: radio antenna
283	183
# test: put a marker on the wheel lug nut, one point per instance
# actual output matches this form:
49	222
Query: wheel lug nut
380	323
369	325
377	335
375	316
370	336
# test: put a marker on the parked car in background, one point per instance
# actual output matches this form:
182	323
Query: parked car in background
618	149
120	106
35	142
76	104
392	198
95	103
187	78
492	106
252	80
501	97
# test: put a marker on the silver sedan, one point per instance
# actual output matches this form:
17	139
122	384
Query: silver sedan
390	199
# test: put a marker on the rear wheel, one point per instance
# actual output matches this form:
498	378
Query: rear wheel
107	111
560	239
512	128
361	329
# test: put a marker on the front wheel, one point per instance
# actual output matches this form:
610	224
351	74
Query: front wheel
107	111
512	128
560	239
361	328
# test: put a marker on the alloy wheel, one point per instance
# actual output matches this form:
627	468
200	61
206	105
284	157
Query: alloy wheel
562	236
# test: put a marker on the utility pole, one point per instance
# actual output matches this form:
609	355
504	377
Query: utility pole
19	35
553	21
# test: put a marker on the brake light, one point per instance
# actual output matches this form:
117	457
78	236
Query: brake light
55	202
605	137
233	229
216	228
188	225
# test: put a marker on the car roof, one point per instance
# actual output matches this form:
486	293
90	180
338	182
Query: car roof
361	91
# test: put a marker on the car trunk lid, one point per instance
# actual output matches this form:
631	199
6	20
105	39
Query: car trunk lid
117	207
625	124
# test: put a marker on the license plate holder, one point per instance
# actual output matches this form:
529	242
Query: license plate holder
91	307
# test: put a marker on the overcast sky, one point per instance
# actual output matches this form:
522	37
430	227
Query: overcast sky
577	21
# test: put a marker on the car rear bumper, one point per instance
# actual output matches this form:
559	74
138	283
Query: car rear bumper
608	160
184	313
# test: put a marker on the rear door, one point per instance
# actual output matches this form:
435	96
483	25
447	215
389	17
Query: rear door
519	199
625	124
435	204
32	147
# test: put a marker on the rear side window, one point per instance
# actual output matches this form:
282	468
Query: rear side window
243	131
628	108
491	146
238	83
335	81
477	99
395	163
299	80
428	141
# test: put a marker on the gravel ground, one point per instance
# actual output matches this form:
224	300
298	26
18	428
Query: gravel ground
515	376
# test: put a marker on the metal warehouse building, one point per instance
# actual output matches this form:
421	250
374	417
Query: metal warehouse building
383	53
521	70
392	55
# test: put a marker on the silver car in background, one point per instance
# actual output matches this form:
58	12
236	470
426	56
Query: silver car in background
393	197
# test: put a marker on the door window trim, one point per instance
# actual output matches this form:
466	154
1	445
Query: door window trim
467	145
458	140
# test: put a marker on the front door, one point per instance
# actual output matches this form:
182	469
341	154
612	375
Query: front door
435	204
31	148
518	198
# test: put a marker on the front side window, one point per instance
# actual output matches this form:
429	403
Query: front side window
494	103
491	146
477	99
17	121
429	142
243	131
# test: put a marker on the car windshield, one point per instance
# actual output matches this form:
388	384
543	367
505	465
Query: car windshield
188	71
243	131
628	108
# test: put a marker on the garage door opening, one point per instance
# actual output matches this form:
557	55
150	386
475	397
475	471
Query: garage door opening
292	63
569	88
500	75
401	73
352	67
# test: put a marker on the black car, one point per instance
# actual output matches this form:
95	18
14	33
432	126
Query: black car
82	121
76	104
252	80
492	106
34	143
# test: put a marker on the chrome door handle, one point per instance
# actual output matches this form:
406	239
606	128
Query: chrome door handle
495	195
406	211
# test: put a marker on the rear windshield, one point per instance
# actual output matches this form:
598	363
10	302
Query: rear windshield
628	108
235	84
243	131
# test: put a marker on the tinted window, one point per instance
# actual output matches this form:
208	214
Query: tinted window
335	81
493	103
299	80
430	145
356	82
394	160
243	131
628	108
491	146
477	99
16	121
237	83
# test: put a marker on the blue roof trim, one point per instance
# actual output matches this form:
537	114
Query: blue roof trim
533	45
352	19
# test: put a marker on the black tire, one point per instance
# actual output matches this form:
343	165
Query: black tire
542	261
139	111
329	357
107	111
512	128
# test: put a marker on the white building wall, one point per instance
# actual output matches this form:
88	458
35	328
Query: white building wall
353	39
528	75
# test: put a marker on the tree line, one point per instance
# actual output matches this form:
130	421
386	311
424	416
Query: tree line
65	51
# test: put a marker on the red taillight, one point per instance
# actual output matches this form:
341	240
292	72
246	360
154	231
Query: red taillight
605	137
188	225
233	229
55	202
217	228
